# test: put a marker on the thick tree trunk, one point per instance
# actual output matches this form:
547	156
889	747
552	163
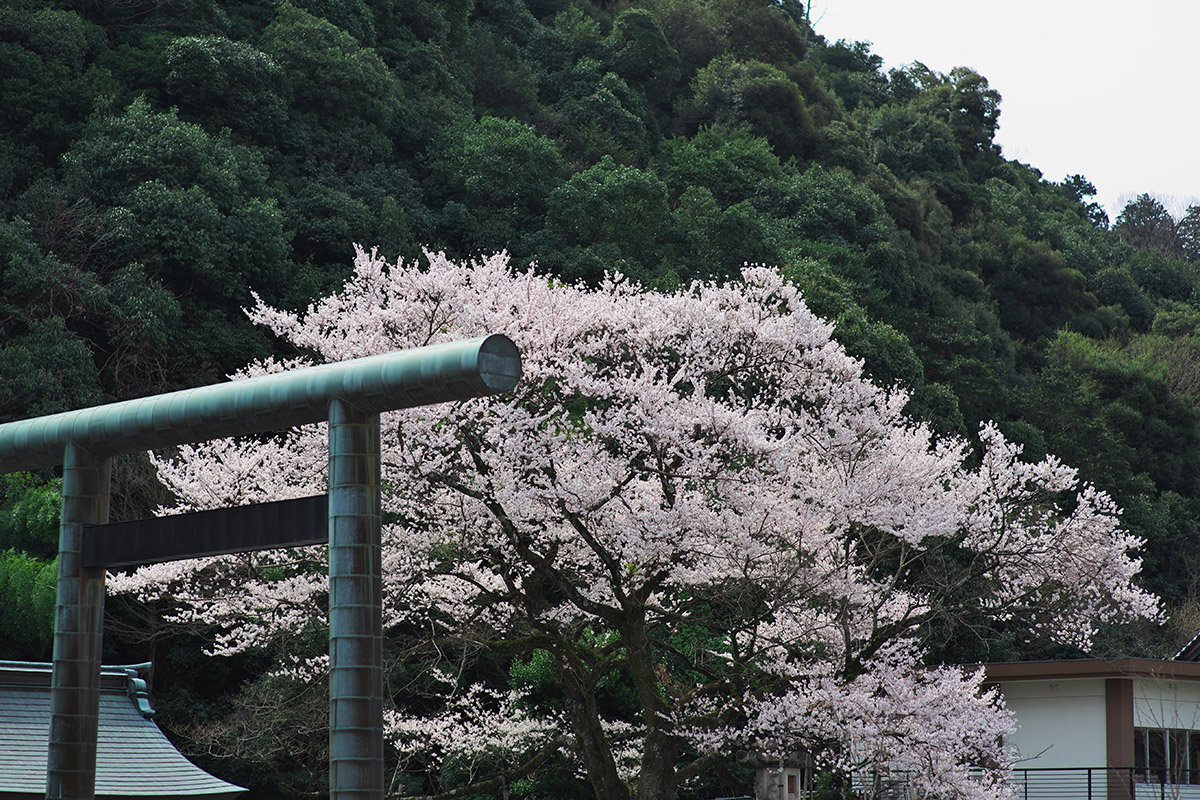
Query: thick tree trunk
593	745
656	779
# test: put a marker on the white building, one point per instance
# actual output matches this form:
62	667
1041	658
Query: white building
1126	729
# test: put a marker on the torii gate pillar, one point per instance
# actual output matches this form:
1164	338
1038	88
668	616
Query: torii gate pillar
355	606
78	628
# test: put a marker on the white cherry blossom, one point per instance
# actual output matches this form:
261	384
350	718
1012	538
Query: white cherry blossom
698	490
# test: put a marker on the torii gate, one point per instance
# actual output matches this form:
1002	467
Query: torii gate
350	395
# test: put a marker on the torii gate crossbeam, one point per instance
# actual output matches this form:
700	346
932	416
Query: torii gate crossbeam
350	395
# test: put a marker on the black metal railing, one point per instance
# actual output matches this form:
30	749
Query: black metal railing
1081	783
1034	783
1106	783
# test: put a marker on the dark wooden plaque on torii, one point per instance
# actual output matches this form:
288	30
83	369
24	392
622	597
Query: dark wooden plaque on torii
221	531
350	395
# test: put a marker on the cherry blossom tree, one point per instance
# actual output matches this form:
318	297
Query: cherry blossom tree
697	494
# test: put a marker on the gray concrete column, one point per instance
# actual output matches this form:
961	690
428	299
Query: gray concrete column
355	606
78	632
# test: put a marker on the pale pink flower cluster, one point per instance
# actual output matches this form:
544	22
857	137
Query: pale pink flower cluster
479	727
661	448
914	724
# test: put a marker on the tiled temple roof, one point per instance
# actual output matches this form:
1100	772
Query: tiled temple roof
134	759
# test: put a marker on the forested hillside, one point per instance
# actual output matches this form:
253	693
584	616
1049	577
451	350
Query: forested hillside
162	159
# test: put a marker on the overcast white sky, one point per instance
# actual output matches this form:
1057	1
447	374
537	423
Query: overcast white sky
1104	89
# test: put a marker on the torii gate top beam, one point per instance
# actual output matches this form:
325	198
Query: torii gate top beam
405	379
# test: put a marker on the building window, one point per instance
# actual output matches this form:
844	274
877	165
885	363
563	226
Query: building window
1166	755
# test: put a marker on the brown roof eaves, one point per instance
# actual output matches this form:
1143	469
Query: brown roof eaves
1093	668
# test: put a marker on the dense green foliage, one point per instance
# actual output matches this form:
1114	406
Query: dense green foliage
158	161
